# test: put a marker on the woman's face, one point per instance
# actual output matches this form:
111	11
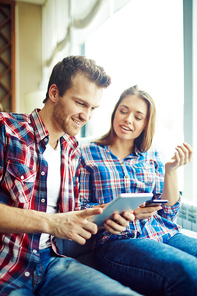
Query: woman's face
130	118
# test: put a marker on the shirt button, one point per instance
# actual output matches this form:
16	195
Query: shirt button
27	273
42	173
42	200
22	177
34	251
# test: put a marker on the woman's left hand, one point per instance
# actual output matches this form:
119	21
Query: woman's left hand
119	222
182	156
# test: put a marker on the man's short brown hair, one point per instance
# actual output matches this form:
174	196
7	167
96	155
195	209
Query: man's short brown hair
64	71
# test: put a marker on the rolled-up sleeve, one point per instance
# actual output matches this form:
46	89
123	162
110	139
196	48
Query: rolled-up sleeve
170	213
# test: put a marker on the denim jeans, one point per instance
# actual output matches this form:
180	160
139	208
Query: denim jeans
65	276
151	267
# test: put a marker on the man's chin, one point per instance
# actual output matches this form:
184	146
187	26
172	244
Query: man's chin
72	133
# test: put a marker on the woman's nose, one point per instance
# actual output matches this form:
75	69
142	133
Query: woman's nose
129	119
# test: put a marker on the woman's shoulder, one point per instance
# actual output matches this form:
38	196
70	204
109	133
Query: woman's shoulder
153	149
92	152
154	154
91	146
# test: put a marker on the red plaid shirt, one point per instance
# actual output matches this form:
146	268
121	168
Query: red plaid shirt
23	176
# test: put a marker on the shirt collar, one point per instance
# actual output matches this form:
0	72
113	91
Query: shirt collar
135	153
38	126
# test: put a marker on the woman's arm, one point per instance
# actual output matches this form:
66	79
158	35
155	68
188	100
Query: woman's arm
170	188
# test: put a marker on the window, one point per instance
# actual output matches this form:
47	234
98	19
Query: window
143	44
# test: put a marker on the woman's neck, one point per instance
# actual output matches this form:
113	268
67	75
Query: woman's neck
122	148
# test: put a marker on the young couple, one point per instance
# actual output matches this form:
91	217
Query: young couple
143	249
38	161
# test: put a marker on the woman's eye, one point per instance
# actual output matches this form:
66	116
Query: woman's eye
138	118
123	112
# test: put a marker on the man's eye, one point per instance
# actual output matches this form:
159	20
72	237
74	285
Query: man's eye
79	103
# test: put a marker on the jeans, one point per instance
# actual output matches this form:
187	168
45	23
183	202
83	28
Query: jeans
65	276
151	267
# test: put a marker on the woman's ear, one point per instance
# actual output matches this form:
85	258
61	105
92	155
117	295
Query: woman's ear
53	92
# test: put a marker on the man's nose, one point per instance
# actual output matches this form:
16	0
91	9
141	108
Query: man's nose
86	114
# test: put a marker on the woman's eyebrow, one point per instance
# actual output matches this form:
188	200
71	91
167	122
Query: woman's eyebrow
124	106
140	112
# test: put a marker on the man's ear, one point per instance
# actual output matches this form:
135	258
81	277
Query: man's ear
53	92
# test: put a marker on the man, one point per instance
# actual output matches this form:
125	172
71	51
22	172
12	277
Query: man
38	158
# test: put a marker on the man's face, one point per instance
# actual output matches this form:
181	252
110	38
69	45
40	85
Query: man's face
76	106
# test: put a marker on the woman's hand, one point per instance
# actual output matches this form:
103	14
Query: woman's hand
182	156
143	212
119	222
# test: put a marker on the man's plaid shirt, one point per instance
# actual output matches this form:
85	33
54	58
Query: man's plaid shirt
23	175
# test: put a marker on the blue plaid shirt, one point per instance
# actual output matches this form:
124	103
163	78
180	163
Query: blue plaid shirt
103	176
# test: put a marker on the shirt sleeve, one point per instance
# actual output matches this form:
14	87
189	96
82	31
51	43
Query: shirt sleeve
169	213
2	141
159	175
76	188
4	194
85	188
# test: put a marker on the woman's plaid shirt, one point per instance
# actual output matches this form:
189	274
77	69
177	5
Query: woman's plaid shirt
103	176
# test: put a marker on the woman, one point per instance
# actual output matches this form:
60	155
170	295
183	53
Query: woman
143	249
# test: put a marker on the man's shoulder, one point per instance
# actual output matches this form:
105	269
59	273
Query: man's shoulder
18	125
14	118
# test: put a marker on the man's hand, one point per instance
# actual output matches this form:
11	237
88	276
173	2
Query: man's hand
73	225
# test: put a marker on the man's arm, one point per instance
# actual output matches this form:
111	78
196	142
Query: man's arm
72	225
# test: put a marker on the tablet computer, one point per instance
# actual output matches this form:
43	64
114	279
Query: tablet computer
124	202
